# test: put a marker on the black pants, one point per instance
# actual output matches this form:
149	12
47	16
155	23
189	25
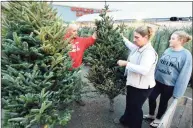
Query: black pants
166	93
135	99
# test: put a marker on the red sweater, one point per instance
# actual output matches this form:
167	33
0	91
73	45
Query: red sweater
79	45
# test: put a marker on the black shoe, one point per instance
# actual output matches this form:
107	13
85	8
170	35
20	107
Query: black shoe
81	102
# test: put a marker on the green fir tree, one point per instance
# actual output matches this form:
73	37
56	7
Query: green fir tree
106	76
37	85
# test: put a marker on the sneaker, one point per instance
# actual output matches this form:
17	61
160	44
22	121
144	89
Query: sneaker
149	117
155	123
81	102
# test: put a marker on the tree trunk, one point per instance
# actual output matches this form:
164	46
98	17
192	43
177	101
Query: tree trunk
39	126
111	109
44	126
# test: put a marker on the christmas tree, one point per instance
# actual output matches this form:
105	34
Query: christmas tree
106	76
36	81
85	31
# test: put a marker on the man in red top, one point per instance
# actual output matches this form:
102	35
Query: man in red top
79	45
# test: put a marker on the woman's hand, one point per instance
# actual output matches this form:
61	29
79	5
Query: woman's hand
94	36
122	63
122	35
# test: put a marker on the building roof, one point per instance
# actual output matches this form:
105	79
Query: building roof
130	16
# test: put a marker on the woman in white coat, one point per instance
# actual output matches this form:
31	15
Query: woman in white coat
140	69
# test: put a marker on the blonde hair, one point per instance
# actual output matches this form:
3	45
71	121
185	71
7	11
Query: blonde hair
144	30
183	36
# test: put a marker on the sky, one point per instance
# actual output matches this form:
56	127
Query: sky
174	8
145	9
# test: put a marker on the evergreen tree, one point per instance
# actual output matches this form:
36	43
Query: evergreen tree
85	31
106	76
36	79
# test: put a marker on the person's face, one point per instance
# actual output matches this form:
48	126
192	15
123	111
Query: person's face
73	32
174	41
139	40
